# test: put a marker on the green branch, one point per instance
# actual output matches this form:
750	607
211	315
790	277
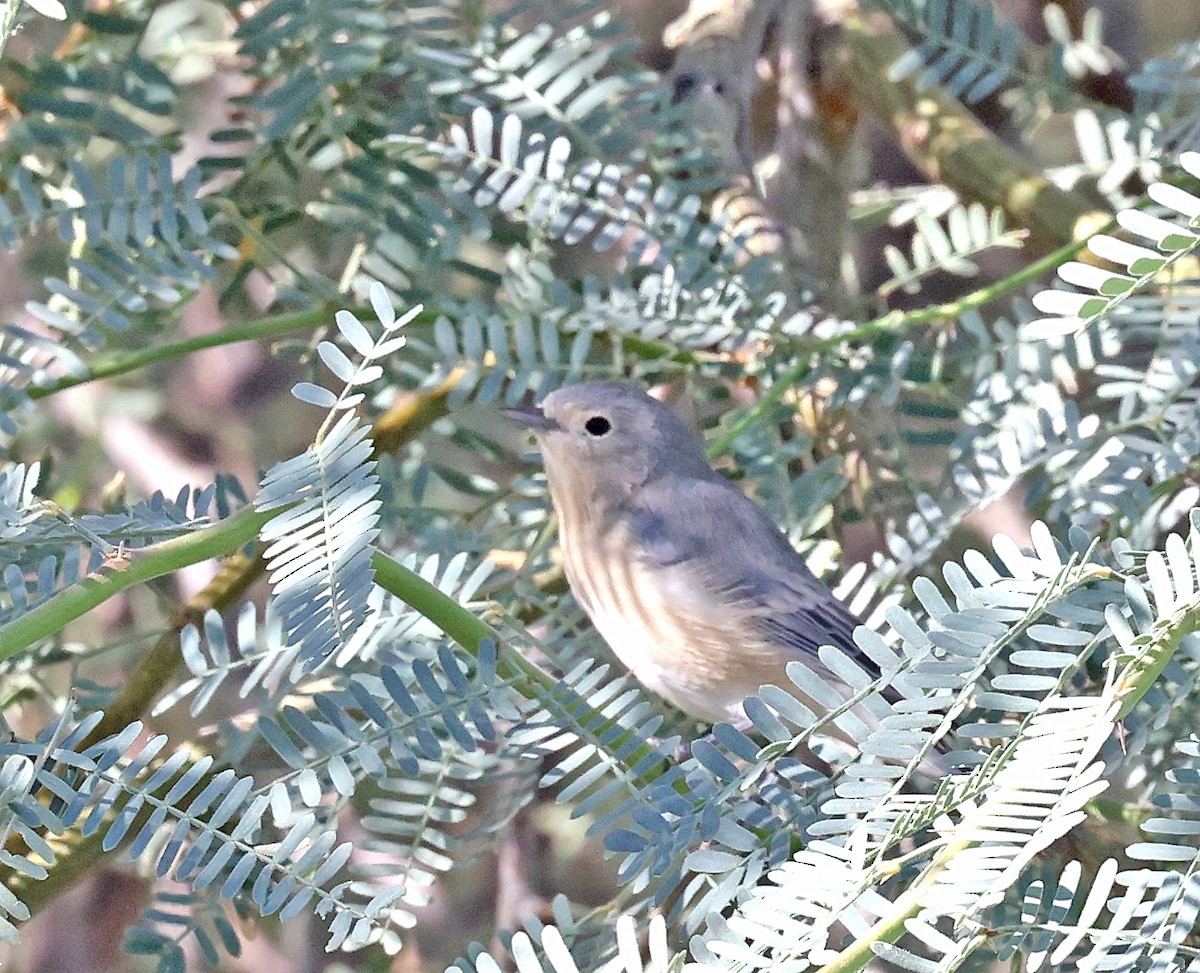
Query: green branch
457	622
1130	687
896	322
138	566
264	329
219	540
460	624
527	678
893	926
226	537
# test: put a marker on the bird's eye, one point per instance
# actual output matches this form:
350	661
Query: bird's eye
597	426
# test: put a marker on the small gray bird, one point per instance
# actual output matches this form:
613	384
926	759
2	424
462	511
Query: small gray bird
689	582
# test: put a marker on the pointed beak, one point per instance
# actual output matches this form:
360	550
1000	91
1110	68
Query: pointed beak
532	417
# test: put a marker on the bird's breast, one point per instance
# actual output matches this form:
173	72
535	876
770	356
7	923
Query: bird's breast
681	639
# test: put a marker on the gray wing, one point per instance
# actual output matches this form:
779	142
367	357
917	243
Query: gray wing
716	530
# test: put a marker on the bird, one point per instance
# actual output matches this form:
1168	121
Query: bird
692	585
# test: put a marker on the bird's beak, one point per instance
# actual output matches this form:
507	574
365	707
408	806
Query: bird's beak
532	417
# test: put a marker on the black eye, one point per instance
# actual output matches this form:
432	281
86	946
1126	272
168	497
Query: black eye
685	84
597	425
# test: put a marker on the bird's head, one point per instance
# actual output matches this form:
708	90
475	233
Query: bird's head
611	436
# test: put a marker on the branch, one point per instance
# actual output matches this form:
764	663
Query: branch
897	322
1131	685
264	329
949	146
157	667
143	564
78	853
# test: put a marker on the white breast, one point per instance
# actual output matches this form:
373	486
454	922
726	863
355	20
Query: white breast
679	640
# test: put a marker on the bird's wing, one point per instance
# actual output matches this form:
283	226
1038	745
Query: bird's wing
737	553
